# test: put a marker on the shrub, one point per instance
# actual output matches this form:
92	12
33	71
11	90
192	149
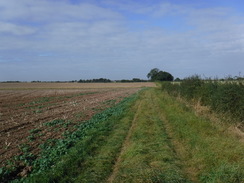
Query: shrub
224	97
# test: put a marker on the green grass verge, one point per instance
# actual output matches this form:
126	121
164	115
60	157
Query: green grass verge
153	139
148	155
211	153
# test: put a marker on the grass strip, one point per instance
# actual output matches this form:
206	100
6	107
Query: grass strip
210	152
99	166
147	155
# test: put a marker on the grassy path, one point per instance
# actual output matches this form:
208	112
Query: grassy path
169	143
207	150
125	144
157	139
147	154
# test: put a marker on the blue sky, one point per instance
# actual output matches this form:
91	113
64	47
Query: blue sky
53	40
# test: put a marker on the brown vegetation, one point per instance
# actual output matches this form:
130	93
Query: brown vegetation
5	86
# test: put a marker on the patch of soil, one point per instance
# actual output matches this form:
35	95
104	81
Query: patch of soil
24	114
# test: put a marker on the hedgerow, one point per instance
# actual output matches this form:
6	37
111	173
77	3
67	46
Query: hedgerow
224	97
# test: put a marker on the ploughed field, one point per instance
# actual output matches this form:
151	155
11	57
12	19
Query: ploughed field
31	113
113	133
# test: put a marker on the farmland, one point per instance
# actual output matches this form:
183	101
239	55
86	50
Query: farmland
31	113
31	86
114	134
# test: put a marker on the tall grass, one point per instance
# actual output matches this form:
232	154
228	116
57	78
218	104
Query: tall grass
208	152
227	97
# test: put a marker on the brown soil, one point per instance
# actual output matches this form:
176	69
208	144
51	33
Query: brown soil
16	86
24	110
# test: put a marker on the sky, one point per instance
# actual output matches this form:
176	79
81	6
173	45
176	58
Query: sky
63	40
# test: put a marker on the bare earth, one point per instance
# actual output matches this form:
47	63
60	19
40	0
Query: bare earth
25	107
5	86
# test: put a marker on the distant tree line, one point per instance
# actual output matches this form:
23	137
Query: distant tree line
131	81
100	80
104	80
73	81
11	82
154	75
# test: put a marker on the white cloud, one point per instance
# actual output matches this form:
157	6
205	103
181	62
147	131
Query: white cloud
15	29
86	35
45	10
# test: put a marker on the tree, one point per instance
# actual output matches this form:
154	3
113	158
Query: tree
164	76
152	74
157	75
177	79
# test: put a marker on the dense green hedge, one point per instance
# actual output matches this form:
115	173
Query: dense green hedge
224	97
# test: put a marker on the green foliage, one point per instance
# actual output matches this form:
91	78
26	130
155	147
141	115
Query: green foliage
191	86
132	81
24	148
153	73
157	75
164	76
31	137
177	79
35	130
7	173
86	139
110	102
100	80
55	122
41	100
208	149
224	97
226	173
34	134
13	167
148	155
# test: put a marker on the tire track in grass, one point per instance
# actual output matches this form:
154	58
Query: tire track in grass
125	144
147	154
178	148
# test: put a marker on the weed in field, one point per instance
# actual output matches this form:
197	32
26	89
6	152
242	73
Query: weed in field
37	111
26	157
31	137
35	130
80	115
24	148
34	134
55	122
96	109
110	102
